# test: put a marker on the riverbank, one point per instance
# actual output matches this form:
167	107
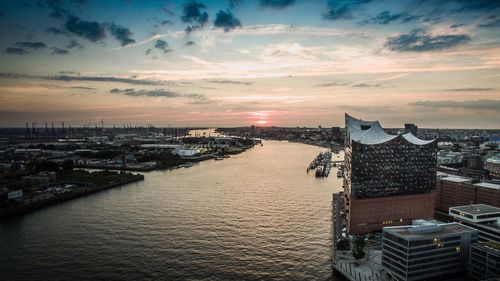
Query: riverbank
157	167
50	198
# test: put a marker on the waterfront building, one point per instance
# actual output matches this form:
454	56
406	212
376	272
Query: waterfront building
426	249
388	179
484	261
454	191
484	218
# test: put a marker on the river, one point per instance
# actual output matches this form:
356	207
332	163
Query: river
254	216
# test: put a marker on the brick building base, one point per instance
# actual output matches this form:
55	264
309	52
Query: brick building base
371	215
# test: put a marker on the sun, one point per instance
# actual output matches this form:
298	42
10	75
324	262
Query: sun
262	122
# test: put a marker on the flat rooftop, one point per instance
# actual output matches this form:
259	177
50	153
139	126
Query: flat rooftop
445	229
488	185
477	209
453	178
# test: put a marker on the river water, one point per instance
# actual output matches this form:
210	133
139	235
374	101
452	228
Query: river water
254	216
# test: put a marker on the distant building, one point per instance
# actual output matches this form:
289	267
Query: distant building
492	164
187	152
446	157
484	261
426	250
336	133
454	191
411	128
475	161
388	179
484	218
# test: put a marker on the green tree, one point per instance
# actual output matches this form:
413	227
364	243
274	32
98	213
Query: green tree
358	247
343	245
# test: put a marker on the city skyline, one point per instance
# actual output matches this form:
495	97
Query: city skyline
237	63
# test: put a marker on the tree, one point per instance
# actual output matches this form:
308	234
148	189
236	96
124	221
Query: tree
358	247
343	245
68	165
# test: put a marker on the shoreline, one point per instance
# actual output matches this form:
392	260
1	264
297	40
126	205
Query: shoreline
18	210
187	159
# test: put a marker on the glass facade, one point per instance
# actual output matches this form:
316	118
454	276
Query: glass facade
396	165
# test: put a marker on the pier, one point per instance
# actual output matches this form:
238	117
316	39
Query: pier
321	164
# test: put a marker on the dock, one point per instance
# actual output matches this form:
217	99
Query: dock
321	164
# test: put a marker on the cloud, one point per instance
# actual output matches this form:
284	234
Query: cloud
121	33
155	93
90	30
384	17
31	45
234	3
334	84
470	90
74	44
338	9
478	5
230	82
226	21
419	40
51	86
56	31
16	51
57	11
364	85
491	22
68	78
276	4
103	79
162	45
59	51
193	12
69	72
366	109
456	25
472	104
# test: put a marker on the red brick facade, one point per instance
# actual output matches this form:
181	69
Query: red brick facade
371	215
452	194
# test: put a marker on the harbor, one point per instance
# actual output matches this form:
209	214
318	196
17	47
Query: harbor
321	165
237	218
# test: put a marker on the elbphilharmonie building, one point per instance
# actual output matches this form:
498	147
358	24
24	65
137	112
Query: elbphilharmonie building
388	179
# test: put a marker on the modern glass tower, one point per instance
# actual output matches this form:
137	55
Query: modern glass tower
390	172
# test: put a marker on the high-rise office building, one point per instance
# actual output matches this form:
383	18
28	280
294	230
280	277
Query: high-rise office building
388	179
426	250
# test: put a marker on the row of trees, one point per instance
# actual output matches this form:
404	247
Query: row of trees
357	249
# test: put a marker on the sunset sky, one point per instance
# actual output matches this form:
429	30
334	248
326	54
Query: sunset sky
435	63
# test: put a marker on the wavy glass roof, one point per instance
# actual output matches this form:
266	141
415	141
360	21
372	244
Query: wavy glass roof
371	132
